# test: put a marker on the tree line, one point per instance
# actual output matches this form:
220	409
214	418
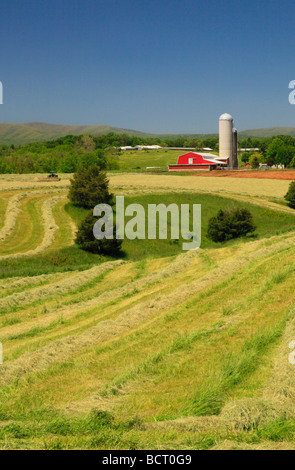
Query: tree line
63	155
277	150
68	154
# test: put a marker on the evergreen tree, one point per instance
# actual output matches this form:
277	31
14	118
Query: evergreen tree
86	240
89	187
230	224
290	196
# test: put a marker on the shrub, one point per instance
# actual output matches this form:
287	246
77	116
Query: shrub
245	157
230	224
86	240
89	187
255	160
270	161
99	419
290	196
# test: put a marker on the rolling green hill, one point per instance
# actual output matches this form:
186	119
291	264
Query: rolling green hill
29	132
39	131
163	349
268	132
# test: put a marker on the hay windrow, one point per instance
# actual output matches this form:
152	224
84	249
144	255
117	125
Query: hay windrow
70	283
181	262
281	386
13	182
250	413
178	265
50	228
58	350
173	268
278	397
22	282
13	210
247	414
11	215
77	319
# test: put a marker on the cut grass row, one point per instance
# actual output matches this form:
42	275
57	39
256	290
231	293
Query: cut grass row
28	231
65	258
107	363
181	359
84	297
126	301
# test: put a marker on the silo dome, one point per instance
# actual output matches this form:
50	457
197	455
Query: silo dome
226	117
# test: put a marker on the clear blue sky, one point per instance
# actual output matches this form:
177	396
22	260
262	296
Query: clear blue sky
153	65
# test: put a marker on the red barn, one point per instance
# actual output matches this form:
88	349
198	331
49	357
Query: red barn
197	161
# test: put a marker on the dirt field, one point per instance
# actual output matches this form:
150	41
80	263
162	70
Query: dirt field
269	175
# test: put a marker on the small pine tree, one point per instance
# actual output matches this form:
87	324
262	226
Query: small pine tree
230	224
86	240
290	196
89	187
254	161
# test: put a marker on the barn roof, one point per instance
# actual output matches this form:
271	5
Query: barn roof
199	159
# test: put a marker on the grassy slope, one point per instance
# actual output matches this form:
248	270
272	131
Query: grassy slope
141	159
182	366
61	257
38	131
269	132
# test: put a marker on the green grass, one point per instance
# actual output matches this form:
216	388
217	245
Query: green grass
151	362
139	160
37	132
209	399
268	223
71	258
65	259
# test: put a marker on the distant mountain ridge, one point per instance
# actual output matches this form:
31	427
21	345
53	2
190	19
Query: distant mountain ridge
40	131
269	132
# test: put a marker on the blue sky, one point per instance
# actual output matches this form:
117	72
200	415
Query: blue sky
166	66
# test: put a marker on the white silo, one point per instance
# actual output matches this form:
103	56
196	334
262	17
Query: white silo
226	137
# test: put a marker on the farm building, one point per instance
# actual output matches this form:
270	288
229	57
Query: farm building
228	151
141	147
198	161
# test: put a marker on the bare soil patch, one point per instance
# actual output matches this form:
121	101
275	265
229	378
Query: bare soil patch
259	174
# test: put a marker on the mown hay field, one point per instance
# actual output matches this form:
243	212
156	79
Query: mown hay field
152	183
249	187
162	349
